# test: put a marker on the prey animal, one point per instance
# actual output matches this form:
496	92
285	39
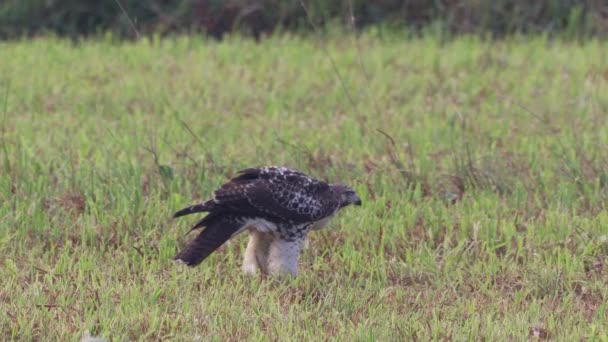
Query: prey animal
278	206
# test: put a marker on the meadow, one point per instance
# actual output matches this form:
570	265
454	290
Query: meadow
482	166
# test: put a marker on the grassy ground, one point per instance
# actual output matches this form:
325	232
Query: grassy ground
482	168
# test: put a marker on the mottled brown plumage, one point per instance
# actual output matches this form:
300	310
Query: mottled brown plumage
279	203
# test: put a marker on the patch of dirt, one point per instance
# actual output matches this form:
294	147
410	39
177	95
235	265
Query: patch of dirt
539	333
72	201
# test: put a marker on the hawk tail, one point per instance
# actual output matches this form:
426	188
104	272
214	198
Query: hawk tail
197	208
217	232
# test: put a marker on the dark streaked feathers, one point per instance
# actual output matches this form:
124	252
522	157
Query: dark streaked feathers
217	231
278	193
284	197
197	208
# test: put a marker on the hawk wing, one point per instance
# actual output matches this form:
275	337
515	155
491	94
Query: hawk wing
277	192
218	231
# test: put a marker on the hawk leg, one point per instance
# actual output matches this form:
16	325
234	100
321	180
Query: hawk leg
256	254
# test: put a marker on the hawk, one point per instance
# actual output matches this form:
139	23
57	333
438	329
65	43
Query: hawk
278	206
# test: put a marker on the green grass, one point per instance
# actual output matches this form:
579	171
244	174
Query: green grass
483	169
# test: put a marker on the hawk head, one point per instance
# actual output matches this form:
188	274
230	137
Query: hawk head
347	194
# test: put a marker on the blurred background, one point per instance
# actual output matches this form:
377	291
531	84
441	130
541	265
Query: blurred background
74	18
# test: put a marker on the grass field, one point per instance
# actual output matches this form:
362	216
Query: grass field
483	169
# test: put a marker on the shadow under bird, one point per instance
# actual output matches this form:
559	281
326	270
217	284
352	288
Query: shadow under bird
278	206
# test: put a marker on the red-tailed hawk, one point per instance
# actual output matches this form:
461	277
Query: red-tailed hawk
277	205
